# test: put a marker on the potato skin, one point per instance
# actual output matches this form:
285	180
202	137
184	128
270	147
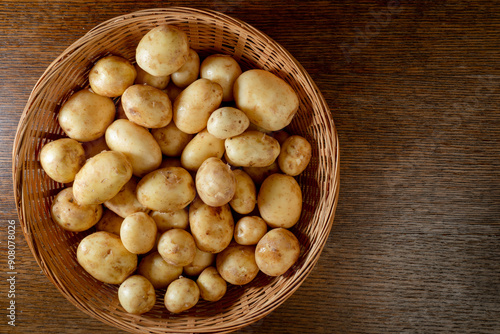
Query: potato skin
110	222
144	77
252	149
177	247
137	295
182	294
277	251
212	286
249	230
111	76
295	155
147	106
222	69
215	182
172	141
245	194
70	215
200	148
138	233
236	264
157	271
169	220
125	202
201	261
189	72
227	122
61	159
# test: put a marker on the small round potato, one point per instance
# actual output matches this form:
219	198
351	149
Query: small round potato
215	182
280	201
111	75
94	147
189	72
212	227
245	194
181	295
252	149
259	174
167	189
227	122
137	143
137	295
177	247
222	69
138	233
72	216
193	106
249	230
125	202
168	220
103	256
163	50
101	178
61	159
201	261
295	155
212	285
236	264
144	78
147	106
172	141
110	222
200	148
157	271
86	115
277	251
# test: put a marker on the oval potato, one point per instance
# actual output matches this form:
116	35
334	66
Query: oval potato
138	233
137	295
70	215
172	141
252	149
111	76
200	148
222	69
295	155
147	106
200	262
245	194
249	230
215	182
189	72
212	285
61	159
227	122
168	220
157	271
236	264
277	251
181	295
177	247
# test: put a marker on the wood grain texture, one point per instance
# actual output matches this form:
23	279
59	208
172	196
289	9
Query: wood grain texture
414	90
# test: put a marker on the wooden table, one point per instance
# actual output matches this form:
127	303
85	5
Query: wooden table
414	91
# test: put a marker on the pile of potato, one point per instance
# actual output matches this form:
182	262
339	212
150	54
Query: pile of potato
192	148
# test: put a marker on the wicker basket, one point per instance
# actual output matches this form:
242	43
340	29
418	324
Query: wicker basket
55	249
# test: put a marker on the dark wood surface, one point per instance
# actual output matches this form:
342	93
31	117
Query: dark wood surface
414	88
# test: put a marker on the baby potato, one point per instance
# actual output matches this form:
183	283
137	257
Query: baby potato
189	72
111	75
147	106
166	189
172	141
157	271
252	149
86	115
137	295
212	286
193	106
70	215
110	222
268	100
168	220
101	178
138	233
249	230
137	143
103	256
181	295
277	251
163	50
201	261
236	264
280	201
212	227
94	147
259	174
61	159
170	162
125	202
144	78
222	69
215	182
200	148
177	247
245	194
227	122
295	155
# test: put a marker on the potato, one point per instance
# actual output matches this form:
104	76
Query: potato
147	106
168	220
277	251
295	155
245	194
138	233
189	72
94	147
170	162
172	141
111	75
222	69
163	50
110	222
249	230
266	99
259	174
177	247
103	256
61	159
144	78
215	182
125	202
193	106
212	286
252	149
172	91
200	262
137	295
212	227
236	264
200	148
166	189
227	122
137	143
157	271
181	295
70	215
280	201
86	115
101	178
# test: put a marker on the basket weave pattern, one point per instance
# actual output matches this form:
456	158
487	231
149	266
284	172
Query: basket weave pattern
55	250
